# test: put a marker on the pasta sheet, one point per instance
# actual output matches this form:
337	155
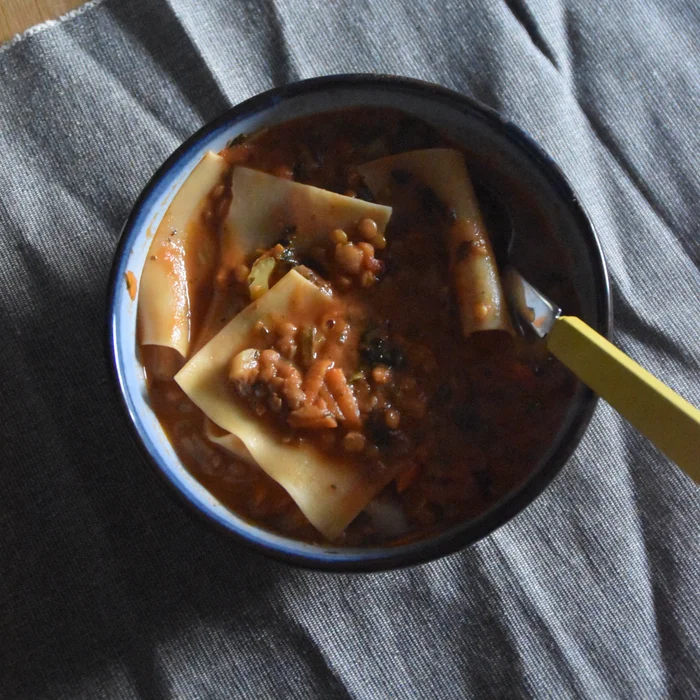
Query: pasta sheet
180	261
264	207
330	491
473	264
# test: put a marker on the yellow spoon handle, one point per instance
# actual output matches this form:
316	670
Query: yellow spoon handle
660	414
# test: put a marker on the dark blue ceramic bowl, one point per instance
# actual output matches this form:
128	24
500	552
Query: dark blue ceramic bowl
467	122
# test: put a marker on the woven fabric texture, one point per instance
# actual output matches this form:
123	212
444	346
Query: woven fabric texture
108	589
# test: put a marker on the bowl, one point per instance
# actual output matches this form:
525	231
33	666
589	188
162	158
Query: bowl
472	125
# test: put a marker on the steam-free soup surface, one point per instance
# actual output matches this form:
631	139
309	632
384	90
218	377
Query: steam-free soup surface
442	424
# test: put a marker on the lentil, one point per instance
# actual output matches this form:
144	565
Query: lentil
381	374
354	442
349	257
392	418
338	236
367	228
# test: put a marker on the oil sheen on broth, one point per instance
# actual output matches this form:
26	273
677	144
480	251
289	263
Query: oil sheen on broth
380	349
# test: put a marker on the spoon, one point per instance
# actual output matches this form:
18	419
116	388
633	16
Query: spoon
654	409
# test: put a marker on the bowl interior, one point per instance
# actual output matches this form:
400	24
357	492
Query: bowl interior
479	130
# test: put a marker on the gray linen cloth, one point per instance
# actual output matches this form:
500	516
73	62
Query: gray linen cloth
108	589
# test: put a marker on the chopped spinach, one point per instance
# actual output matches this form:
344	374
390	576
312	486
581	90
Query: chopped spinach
384	437
377	349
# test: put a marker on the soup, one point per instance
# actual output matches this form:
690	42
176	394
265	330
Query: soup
325	337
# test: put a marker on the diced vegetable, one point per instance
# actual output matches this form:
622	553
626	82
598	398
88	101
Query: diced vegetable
259	277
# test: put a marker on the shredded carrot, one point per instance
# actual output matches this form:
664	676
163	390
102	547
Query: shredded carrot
330	402
131	284
342	393
314	378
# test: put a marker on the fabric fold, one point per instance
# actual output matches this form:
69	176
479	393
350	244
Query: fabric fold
108	589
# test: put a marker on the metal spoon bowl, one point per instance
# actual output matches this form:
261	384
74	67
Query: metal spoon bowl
667	419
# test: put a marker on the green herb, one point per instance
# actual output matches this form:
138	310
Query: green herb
311	341
356	376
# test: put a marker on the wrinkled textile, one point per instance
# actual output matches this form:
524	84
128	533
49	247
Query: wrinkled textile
109	589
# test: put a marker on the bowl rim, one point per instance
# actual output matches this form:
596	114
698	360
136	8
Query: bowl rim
464	534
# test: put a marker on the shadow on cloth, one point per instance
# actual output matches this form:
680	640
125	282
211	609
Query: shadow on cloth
662	566
116	580
114	566
155	29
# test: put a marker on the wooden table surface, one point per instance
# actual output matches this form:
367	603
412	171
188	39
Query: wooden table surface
18	15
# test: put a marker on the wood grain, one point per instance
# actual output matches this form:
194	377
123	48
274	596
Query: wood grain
18	15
